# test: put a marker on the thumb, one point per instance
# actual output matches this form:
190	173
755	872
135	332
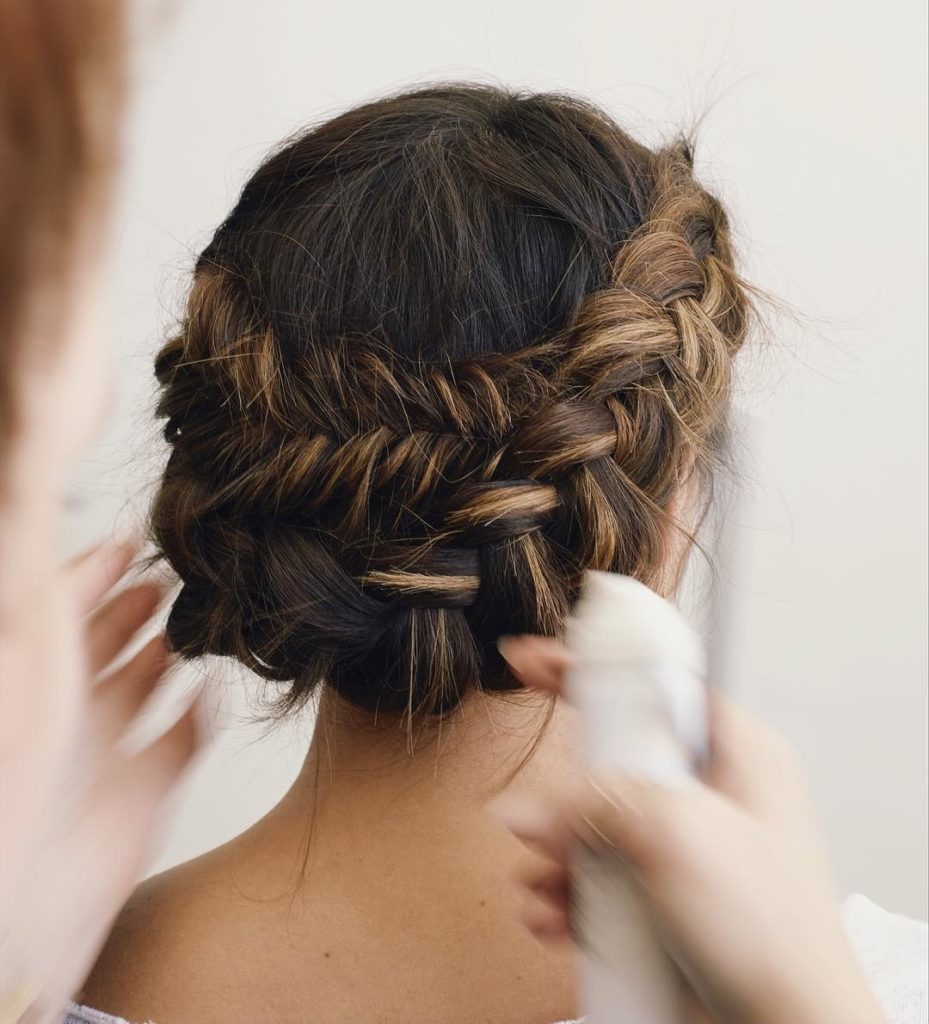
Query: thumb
641	820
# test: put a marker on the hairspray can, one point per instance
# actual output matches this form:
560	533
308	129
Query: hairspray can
637	679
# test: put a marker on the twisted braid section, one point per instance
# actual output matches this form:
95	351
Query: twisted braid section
348	515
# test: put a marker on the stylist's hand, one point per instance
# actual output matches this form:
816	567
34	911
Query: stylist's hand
731	867
77	810
80	820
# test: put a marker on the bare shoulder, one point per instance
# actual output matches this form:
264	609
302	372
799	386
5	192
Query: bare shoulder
157	960
228	939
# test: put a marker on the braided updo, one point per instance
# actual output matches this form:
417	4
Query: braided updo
449	350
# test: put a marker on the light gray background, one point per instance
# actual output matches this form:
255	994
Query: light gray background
815	136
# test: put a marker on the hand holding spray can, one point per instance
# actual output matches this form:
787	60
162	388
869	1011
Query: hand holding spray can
638	682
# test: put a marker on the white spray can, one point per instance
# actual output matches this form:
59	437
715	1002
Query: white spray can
638	681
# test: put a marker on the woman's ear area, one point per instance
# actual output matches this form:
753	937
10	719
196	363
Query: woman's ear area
678	527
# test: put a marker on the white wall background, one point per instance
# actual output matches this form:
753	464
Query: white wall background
816	135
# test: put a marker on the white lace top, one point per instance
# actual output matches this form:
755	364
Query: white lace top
894	951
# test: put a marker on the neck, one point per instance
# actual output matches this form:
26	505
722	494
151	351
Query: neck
517	741
395	860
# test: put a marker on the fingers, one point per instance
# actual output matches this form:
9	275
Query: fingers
749	762
130	793
117	700
115	623
542	884
746	759
653	826
157	768
96	571
644	822
604	812
537	661
542	826
545	920
745	753
652	830
545	902
136	785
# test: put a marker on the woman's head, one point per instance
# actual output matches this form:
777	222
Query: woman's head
449	350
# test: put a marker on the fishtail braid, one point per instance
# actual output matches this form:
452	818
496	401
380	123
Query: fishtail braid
349	513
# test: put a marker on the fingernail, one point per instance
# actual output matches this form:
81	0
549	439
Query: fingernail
509	648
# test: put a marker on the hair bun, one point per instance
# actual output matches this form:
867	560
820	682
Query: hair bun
390	444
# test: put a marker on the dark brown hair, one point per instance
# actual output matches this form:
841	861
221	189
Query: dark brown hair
450	349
